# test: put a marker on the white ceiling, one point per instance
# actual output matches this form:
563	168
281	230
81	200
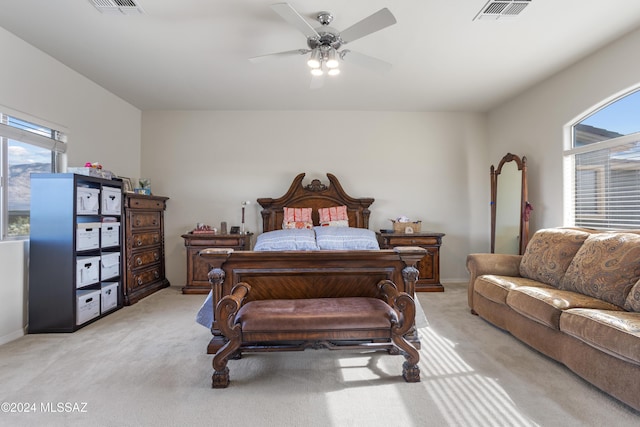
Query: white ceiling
193	54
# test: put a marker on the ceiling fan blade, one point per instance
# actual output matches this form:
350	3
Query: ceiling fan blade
290	15
257	59
316	82
366	61
376	22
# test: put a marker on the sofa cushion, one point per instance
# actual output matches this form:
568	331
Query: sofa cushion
632	302
614	332
549	253
544	305
496	288
606	267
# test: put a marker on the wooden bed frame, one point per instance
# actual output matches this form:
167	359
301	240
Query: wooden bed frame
311	274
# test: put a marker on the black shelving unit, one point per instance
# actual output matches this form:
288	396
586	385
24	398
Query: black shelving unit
62	204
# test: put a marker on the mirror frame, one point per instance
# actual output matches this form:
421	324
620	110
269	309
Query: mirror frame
525	207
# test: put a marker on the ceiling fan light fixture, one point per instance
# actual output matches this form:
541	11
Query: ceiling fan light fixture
332	59
333	71
316	72
314	61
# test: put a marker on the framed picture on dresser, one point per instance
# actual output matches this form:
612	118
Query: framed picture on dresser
127	186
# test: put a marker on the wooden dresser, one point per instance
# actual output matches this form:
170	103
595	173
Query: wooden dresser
429	265
198	268
144	248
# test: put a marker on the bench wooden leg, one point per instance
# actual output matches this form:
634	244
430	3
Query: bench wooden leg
220	379
410	369
410	372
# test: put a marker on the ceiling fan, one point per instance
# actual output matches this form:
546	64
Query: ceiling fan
324	44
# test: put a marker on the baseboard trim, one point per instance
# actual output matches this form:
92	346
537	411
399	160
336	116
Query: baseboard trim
12	336
455	281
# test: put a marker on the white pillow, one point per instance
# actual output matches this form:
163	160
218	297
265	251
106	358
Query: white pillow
341	238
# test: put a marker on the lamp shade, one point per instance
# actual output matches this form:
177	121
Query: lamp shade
314	59
332	59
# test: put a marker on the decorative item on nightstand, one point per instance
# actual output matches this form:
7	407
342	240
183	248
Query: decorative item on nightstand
403	224
204	229
244	204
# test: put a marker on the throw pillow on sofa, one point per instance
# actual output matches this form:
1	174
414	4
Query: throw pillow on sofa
606	267
633	299
549	253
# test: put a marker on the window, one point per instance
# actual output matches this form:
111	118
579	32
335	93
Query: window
603	167
25	148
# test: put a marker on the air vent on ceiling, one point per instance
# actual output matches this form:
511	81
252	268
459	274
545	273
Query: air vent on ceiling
498	9
125	7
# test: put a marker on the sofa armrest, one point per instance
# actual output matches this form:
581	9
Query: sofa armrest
498	264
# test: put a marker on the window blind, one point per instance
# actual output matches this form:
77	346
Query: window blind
606	184
58	145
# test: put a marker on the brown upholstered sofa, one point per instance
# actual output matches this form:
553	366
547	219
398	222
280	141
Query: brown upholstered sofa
574	296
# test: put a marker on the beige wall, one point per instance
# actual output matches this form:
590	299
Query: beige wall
532	123
101	128
428	166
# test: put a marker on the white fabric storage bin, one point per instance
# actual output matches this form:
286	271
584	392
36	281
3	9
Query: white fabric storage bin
111	201
110	265
110	234
87	201
88	236
87	305
108	296
87	270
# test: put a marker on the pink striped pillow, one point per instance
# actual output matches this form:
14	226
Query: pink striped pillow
297	218
329	216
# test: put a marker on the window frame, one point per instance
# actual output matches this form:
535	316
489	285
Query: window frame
602	177
55	144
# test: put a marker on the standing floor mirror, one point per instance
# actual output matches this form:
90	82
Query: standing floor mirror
510	208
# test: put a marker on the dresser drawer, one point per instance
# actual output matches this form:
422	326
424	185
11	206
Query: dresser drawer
409	241
227	243
144	239
144	203
145	219
145	277
145	258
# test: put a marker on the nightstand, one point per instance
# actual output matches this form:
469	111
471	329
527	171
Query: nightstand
429	265
198	268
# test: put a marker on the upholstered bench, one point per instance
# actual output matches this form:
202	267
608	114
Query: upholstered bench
334	323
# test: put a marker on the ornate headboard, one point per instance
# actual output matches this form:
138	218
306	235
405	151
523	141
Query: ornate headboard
314	195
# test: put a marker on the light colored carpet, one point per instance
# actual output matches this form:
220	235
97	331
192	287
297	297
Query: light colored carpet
146	365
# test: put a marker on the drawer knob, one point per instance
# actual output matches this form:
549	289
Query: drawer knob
139	261
155	238
413	240
139	242
156	256
156	274
139	280
155	222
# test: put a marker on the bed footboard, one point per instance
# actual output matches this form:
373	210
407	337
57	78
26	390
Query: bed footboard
312	274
